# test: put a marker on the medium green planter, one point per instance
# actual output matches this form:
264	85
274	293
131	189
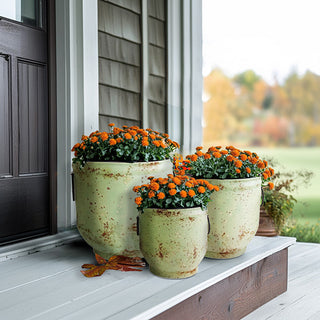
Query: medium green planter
234	216
106	212
173	241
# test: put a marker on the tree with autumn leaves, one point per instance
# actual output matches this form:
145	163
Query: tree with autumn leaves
247	110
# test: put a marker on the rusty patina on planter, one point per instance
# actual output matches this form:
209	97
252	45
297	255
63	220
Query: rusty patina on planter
106	212
173	241
234	216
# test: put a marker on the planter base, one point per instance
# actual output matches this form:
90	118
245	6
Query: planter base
226	255
108	255
173	275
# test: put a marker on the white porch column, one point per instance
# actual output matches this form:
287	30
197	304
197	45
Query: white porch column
77	90
185	73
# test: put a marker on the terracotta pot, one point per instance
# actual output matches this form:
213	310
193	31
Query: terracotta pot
106	212
173	241
234	216
266	225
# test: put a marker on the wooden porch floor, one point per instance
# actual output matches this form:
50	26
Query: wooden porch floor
49	285
301	301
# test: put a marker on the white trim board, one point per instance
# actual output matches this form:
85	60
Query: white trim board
77	91
24	248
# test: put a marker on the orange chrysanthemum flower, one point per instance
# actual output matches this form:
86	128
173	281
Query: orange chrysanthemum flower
172	192
183	194
152	136
201	189
238	170
116	130
145	143
83	138
138	201
156	143
194	157
128	136
261	165
119	140
224	152
104	136
111	124
163	145
199	153
154	186
176	180
171	185
238	164
271	185
216	188
230	158
112	142
151	194
248	153
207	156
253	160
94	139
217	155
136	188
212	149
77	145
191	193
189	184
199	148
164	181
265	176
235	152
161	195
248	170
133	132
243	157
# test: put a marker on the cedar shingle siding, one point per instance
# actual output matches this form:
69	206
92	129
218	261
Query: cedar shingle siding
120	63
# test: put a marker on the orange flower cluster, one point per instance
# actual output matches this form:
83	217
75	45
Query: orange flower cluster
179	191
228	163
129	144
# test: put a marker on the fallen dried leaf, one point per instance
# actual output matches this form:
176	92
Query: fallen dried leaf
119	262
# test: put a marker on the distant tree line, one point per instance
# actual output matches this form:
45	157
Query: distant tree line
245	109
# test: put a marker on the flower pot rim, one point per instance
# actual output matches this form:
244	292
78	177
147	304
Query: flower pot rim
175	209
126	163
235	180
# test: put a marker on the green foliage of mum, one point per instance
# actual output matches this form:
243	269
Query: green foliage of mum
129	144
229	163
174	192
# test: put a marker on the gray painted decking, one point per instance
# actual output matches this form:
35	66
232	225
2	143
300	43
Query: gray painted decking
301	301
49	285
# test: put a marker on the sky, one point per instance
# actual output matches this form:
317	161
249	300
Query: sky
271	37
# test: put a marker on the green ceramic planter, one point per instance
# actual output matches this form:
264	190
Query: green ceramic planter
173	241
106	212
234	216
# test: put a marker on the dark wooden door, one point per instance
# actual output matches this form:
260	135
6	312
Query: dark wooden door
24	179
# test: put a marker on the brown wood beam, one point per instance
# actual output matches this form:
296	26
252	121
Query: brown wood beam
237	295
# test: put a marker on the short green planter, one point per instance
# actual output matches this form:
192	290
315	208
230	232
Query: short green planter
173	241
106	214
234	216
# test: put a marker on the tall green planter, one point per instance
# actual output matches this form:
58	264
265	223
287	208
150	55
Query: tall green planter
106	212
234	216
173	241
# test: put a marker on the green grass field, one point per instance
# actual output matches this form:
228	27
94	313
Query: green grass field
308	207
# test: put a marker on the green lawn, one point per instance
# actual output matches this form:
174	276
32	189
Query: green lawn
307	210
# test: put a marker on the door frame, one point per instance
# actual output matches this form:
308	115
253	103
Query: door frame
52	103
